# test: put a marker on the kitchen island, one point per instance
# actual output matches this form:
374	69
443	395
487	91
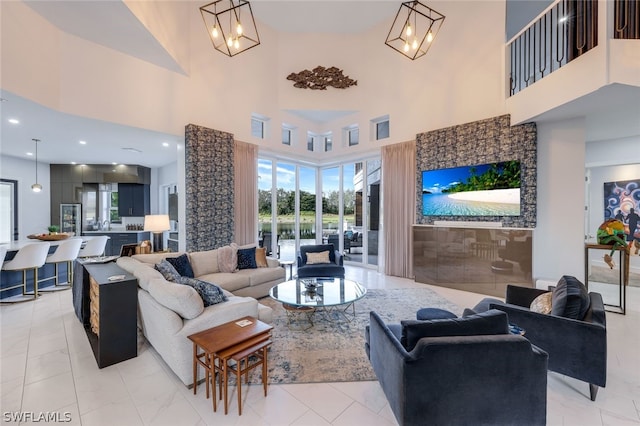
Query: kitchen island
46	273
118	238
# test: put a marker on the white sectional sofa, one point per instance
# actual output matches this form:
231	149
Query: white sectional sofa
169	312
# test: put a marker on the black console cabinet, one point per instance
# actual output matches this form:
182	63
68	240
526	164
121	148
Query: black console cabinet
108	310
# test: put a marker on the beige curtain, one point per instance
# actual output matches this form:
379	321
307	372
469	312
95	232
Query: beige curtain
399	192
245	166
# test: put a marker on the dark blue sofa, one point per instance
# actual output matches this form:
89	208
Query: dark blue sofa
482	376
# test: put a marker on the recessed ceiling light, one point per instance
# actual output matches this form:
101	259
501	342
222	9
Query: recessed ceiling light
165	143
83	142
29	153
14	121
114	163
73	162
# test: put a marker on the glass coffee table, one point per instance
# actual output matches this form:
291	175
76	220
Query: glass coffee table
329	295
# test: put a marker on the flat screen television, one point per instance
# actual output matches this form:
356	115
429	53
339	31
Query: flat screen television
480	190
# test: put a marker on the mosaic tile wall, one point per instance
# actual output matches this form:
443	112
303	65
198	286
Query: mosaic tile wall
209	187
481	142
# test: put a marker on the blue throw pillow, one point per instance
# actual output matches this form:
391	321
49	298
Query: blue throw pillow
182	265
247	258
487	323
570	298
167	270
210	293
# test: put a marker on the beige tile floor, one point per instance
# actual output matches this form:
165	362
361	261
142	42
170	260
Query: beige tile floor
47	365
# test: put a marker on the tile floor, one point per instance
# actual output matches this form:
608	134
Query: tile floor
47	365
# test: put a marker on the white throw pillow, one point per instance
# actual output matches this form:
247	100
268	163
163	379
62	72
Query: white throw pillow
182	299
316	258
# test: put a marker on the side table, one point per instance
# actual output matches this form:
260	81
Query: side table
237	340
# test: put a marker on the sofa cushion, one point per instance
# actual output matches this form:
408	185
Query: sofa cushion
204	262
145	273
261	257
230	281
262	275
154	258
317	258
228	258
210	293
542	303
570	298
167	270
182	299
247	258
182	265
486	323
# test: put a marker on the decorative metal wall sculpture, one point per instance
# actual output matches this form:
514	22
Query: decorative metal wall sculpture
320	78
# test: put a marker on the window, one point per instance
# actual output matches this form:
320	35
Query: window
259	126
353	136
328	144
310	141
380	127
286	136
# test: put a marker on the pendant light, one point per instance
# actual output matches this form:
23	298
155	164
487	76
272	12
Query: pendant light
36	187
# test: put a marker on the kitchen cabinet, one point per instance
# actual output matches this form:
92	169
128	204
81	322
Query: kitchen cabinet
133	199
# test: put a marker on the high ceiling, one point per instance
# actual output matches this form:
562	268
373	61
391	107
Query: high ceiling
112	24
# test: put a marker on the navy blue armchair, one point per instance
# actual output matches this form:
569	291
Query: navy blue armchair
577	347
483	375
334	268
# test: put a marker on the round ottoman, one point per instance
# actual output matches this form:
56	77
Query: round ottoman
434	313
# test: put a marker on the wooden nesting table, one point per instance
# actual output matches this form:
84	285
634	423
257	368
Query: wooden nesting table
245	345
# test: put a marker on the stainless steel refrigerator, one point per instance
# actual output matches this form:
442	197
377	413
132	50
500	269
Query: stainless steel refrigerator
71	218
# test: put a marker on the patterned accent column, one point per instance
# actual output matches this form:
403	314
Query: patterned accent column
481	142
209	184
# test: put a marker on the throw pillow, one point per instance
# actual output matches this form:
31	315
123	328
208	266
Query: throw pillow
167	270
261	257
228	258
182	299
316	258
570	298
210	293
247	258
182	265
487	323
542	303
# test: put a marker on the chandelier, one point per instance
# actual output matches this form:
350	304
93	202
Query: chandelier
414	29
230	25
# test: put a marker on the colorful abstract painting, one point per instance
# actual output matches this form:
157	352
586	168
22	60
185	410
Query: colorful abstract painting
622	202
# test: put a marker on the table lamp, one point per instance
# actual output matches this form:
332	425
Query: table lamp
157	224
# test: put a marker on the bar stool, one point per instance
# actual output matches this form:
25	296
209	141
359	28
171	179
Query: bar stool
31	256
66	252
94	247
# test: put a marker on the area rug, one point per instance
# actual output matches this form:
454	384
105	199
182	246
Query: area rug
333	349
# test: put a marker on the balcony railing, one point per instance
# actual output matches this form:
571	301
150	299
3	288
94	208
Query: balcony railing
626	19
566	30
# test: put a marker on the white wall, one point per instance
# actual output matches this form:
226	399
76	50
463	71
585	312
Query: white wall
558	243
34	209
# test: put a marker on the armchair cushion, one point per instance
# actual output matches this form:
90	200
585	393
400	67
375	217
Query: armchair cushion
570	298
317	249
486	323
